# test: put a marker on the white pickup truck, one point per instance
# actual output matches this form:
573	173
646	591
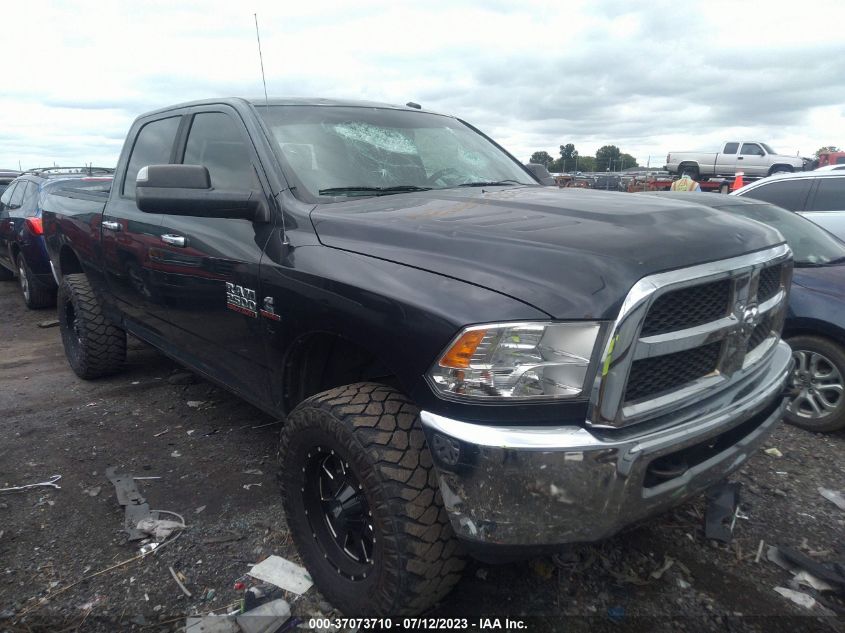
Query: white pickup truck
753	158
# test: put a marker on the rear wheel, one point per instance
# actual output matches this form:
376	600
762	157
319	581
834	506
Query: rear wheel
690	170
94	346
819	378
362	502
35	294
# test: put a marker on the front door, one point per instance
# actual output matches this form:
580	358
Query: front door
212	263
752	160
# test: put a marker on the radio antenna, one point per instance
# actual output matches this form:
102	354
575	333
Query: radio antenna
261	59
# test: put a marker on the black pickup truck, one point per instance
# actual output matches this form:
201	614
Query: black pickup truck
466	361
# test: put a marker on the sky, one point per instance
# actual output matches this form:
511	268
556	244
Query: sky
649	77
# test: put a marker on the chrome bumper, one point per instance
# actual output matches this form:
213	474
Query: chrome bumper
548	486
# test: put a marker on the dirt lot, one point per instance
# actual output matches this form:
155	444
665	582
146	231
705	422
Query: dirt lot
53	423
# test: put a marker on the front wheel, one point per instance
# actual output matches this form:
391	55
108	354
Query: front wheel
93	345
362	502
819	379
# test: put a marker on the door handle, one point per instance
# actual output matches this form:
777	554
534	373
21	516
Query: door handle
173	240
740	158
111	226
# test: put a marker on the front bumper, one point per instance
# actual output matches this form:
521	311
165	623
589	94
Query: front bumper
543	486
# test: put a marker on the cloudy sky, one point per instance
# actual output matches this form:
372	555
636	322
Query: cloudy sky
647	76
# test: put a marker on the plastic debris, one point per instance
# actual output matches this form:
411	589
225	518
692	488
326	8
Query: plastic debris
179	582
282	573
774	452
722	505
657	574
806	579
248	486
50	482
803	599
253	471
835	497
200	509
196	404
224	538
265	618
159	529
160	433
49	323
176	454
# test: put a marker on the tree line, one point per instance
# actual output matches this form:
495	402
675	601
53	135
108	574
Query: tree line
608	157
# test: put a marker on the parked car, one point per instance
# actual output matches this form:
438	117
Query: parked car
817	195
460	354
753	158
22	249
6	178
815	320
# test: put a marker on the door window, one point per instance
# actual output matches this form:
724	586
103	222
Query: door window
789	194
751	149
830	195
30	200
216	142
152	147
7	195
17	195
730	148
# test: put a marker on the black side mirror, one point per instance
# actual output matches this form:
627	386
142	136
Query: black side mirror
186	190
540	173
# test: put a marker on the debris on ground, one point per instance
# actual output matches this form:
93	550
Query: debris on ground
136	507
180	581
803	599
808	572
721	513
159	529
49	323
93	491
248	486
160	433
253	471
542	567
774	452
223	538
50	482
833	496
282	573
197	404
182	378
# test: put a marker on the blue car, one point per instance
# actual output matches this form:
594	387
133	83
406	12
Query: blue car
815	322
22	250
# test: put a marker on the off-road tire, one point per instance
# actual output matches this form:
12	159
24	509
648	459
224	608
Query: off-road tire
35	294
416	557
835	354
93	345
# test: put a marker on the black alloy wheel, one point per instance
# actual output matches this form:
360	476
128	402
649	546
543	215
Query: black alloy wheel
339	513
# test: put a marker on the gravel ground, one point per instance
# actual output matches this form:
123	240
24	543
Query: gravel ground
660	576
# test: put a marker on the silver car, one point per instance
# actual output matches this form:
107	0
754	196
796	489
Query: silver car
817	195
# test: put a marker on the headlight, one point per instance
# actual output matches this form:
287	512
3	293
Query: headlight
516	361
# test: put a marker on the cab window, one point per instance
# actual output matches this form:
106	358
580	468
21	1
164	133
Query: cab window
215	141
730	148
153	146
751	149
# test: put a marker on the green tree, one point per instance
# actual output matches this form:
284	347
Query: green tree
627	161
568	156
542	158
826	149
607	156
585	163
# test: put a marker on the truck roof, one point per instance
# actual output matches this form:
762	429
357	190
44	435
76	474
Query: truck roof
288	101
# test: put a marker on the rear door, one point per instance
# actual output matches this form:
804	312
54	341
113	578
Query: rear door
726	160
13	219
752	160
789	193
212	263
131	239
827	204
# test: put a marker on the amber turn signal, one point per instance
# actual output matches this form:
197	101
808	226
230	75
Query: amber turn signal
459	355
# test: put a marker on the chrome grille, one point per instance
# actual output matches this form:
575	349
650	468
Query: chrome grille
685	334
652	376
688	307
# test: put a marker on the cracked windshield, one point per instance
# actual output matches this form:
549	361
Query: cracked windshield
347	151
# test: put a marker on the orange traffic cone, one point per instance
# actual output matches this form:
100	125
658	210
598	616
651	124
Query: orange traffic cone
737	181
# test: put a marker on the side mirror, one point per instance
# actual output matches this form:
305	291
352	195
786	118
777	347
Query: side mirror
540	173
186	190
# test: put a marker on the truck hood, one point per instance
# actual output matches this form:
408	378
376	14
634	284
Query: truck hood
571	253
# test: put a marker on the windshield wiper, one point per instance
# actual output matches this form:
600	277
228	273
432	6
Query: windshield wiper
833	262
490	183
331	191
